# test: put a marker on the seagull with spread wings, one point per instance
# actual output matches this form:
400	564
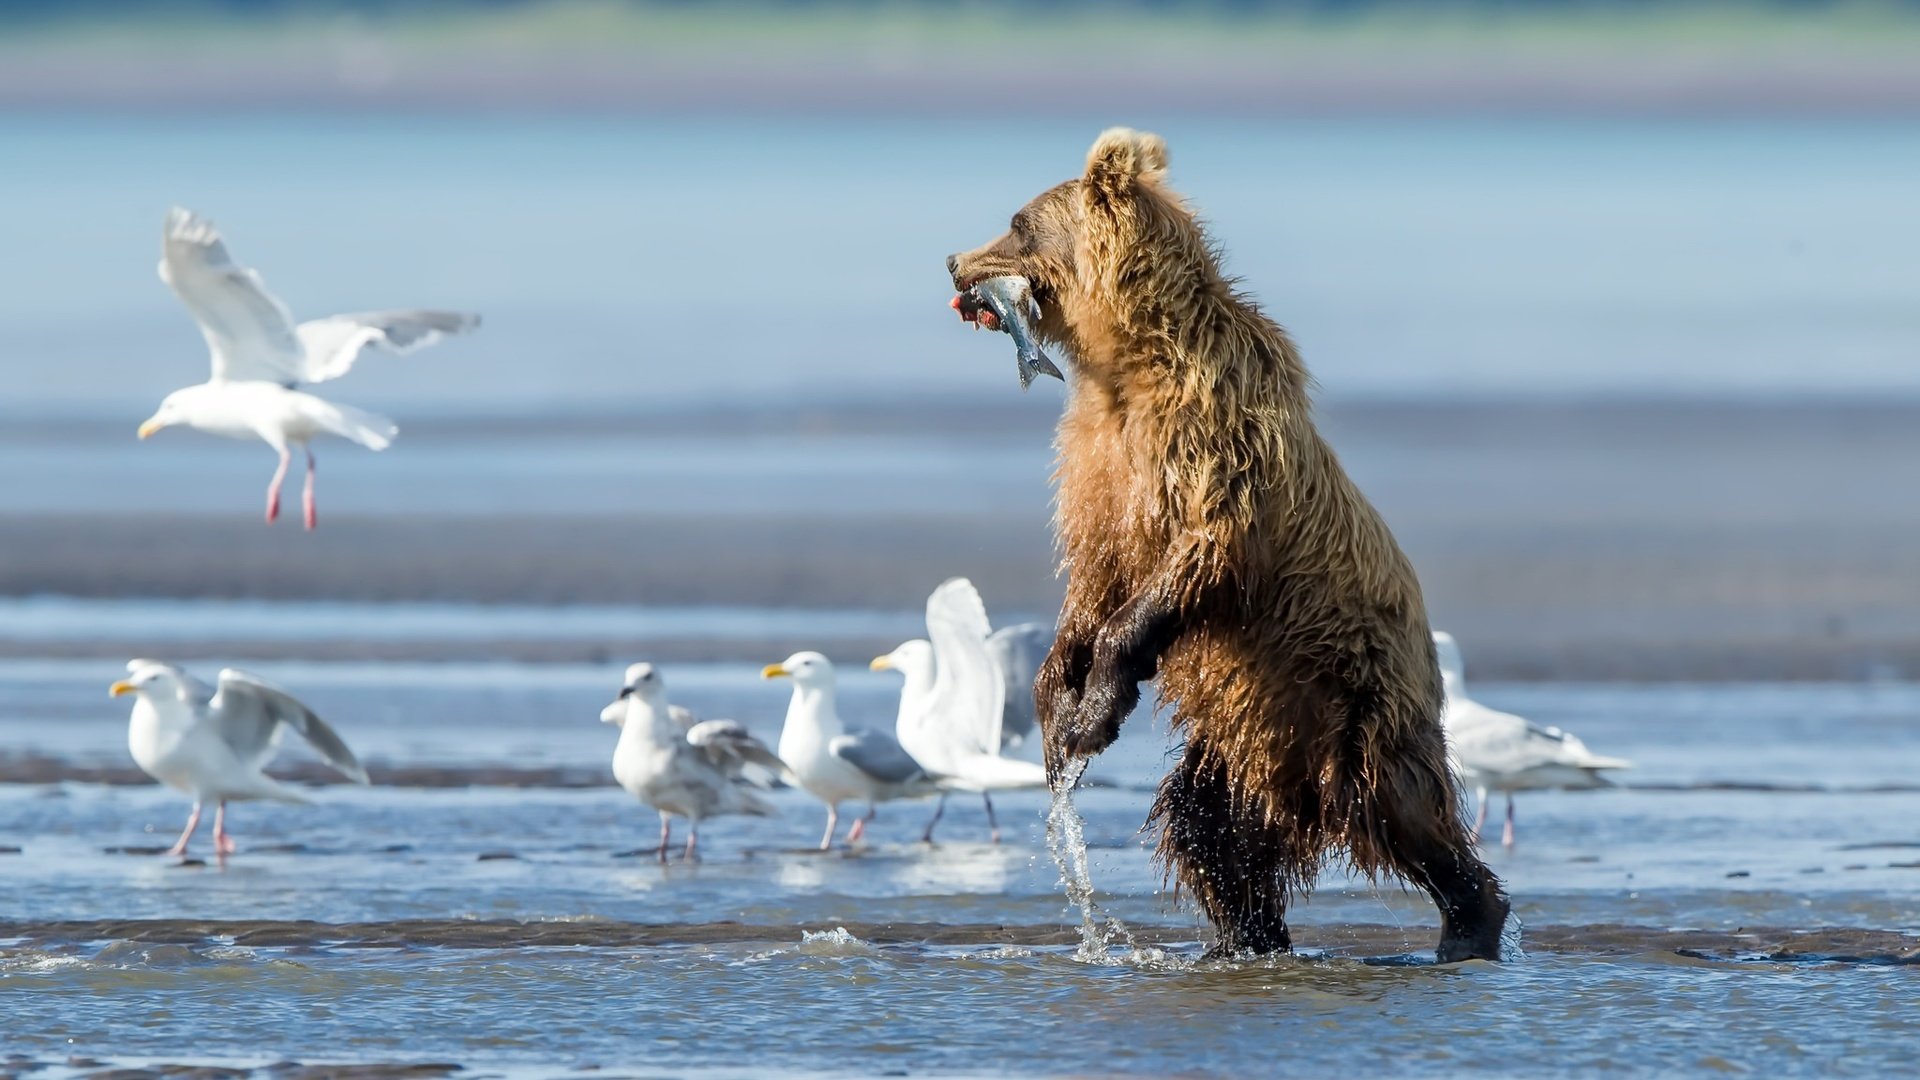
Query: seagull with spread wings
261	356
214	742
952	717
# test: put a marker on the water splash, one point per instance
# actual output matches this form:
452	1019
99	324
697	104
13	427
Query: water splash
1510	950
834	942
1067	841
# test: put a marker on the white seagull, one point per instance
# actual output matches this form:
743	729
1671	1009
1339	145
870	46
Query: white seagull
213	743
682	766
1503	752
952	704
833	764
261	356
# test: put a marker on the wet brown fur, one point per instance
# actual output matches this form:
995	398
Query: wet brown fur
1210	536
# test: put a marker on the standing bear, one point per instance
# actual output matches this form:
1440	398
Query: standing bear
1209	537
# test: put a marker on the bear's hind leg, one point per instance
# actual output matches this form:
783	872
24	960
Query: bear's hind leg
1473	907
1433	850
1224	855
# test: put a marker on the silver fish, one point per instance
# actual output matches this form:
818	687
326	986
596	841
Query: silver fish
1010	298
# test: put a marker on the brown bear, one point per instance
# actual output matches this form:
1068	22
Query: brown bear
1210	537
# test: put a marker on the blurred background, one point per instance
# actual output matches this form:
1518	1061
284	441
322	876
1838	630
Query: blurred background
1612	305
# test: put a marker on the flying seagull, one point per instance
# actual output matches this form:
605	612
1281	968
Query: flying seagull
261	357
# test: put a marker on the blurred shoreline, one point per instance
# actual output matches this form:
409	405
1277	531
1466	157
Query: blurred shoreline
1617	540
961	62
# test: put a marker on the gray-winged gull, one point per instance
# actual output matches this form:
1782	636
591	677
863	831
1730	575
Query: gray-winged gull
682	766
212	743
1503	752
833	764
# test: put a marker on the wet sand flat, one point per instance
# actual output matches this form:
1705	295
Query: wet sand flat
1351	940
1604	540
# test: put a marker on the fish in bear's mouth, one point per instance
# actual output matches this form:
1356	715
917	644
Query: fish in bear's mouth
1006	302
974	310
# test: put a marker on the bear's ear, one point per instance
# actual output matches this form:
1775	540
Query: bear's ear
1121	154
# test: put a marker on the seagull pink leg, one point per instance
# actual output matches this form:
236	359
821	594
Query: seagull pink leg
222	839
693	840
1506	835
306	495
193	826
273	489
860	826
666	834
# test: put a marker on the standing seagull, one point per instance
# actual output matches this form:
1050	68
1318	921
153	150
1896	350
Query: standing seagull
833	764
952	704
260	356
681	767
213	744
1503	752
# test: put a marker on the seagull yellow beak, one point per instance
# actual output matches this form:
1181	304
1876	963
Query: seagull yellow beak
774	671
150	427
122	687
881	663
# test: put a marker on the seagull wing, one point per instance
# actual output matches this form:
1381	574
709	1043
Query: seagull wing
1018	652
731	747
332	345
1568	750
250	711
1497	745
248	330
968	690
1488	741
877	754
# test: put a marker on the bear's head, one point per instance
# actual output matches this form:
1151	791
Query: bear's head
1074	243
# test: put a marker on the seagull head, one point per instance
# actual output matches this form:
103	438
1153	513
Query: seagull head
914	659
805	668
148	678
174	409
642	683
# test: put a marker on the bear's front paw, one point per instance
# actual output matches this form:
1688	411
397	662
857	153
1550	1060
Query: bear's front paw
1070	742
1095	723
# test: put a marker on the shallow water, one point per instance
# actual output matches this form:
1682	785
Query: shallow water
955	954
